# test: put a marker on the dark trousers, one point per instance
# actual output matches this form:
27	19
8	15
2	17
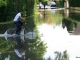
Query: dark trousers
18	26
19	43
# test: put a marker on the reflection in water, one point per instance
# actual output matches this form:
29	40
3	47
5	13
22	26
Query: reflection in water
23	35
58	39
65	35
71	21
26	47
70	25
18	46
50	17
41	16
66	12
57	31
21	41
61	56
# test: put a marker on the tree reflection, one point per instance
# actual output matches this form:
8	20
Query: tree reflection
24	49
4	45
68	21
50	17
69	24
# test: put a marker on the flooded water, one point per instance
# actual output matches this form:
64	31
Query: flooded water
56	36
61	33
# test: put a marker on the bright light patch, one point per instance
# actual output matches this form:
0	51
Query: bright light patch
58	39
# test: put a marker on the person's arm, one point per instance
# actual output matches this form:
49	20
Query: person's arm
22	18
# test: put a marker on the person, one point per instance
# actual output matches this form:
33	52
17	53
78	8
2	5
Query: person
18	22
40	5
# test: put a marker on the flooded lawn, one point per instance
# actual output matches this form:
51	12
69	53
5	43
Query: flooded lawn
58	30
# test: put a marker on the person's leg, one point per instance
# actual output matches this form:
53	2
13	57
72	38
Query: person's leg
17	27
16	23
18	30
20	26
21	23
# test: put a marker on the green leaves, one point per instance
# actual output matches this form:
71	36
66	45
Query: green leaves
4	45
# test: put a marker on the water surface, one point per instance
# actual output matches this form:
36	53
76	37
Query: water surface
59	30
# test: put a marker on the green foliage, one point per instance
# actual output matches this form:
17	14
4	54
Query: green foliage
61	3
30	7
74	3
9	8
4	45
60	56
37	49
3	2
3	14
42	0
